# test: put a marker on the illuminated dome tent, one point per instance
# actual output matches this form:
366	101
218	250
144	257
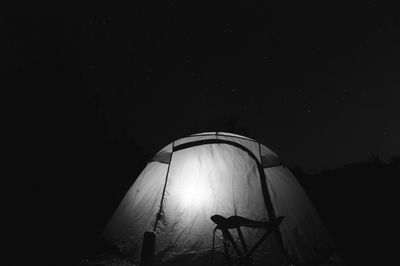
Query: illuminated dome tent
197	177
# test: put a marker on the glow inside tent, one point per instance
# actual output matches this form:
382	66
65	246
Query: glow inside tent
205	174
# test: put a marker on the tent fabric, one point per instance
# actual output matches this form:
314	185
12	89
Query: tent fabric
200	181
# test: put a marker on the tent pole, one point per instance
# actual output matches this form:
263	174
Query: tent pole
149	238
270	207
158	217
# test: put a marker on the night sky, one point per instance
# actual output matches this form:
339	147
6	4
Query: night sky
316	83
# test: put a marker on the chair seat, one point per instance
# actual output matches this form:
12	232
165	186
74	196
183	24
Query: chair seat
237	221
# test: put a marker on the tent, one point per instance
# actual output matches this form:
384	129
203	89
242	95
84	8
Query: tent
216	173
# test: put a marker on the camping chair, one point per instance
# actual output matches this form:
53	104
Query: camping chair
235	222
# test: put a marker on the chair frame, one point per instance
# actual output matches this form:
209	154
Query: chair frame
236	222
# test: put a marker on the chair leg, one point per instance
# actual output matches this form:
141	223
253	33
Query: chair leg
242	239
228	235
248	254
228	258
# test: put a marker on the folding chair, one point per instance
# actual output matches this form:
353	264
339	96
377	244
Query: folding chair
235	222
